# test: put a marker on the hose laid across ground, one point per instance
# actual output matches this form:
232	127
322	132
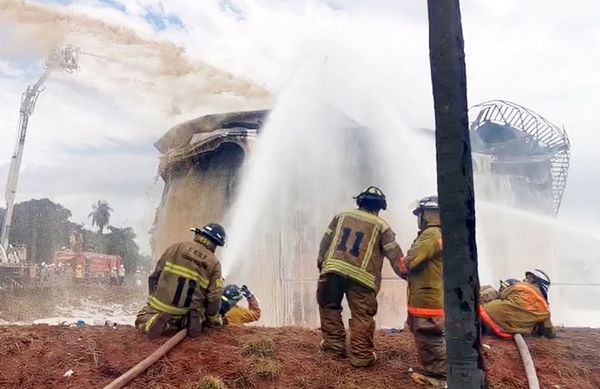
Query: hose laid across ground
146	363
532	378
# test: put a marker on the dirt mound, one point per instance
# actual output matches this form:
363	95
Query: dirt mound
39	357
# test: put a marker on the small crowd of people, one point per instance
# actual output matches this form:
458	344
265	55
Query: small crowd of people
186	288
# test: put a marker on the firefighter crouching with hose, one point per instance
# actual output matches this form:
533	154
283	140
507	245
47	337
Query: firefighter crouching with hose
232	313
423	269
350	261
521	308
185	288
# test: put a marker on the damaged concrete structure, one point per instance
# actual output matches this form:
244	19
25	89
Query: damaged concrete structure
201	166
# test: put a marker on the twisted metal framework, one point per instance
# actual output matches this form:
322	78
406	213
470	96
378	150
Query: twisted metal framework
537	130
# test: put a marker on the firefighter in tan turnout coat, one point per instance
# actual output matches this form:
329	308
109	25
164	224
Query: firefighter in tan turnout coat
423	268
185	289
350	261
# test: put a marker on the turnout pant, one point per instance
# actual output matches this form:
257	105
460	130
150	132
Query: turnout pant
363	306
156	324
429	338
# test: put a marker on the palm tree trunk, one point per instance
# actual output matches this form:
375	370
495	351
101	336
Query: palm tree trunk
456	197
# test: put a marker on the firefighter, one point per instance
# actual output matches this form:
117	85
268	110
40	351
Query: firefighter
522	308
185	289
79	273
235	315
423	268
350	261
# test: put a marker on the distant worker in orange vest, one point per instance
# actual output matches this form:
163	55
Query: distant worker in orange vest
423	269
522	308
232	313
350	261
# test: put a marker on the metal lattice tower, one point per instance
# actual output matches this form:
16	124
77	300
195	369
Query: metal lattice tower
537	131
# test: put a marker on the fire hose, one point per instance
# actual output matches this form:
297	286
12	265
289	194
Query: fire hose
148	361
532	378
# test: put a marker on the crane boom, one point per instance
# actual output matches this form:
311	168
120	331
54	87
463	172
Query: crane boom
59	59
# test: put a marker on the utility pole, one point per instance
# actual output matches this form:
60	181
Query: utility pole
59	59
456	197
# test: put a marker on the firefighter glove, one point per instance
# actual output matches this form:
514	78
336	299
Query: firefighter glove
215	321
246	292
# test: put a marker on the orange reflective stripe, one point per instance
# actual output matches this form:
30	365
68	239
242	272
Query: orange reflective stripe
499	332
426	312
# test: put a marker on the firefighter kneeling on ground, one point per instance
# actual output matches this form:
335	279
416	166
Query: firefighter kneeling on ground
423	269
521	308
350	261
232	313
185	289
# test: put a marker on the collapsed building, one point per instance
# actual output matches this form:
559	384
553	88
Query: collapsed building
201	165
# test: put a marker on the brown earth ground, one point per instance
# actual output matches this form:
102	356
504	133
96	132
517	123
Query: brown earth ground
255	357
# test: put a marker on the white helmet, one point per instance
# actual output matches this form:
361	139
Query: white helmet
541	279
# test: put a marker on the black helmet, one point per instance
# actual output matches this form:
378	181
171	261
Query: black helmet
371	198
214	232
231	295
430	202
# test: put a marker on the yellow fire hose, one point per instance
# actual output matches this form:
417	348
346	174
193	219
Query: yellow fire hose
532	378
146	363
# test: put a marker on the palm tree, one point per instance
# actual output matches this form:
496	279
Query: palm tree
100	215
455	190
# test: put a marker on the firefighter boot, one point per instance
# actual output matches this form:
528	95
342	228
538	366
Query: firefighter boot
334	333
422	379
361	343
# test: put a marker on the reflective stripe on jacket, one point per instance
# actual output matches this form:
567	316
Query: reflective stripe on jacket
187	277
355	244
425	279
519	310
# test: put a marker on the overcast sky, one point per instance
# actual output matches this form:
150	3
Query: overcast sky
92	132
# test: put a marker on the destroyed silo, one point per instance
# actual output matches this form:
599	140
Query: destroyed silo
200	164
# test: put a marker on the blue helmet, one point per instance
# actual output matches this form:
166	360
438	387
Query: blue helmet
213	231
230	297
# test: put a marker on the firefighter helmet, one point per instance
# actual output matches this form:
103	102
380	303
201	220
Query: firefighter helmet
231	295
214	232
541	279
371	198
233	292
427	203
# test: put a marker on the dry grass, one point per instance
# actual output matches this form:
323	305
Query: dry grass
15	343
208	382
261	348
268	369
160	369
90	352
